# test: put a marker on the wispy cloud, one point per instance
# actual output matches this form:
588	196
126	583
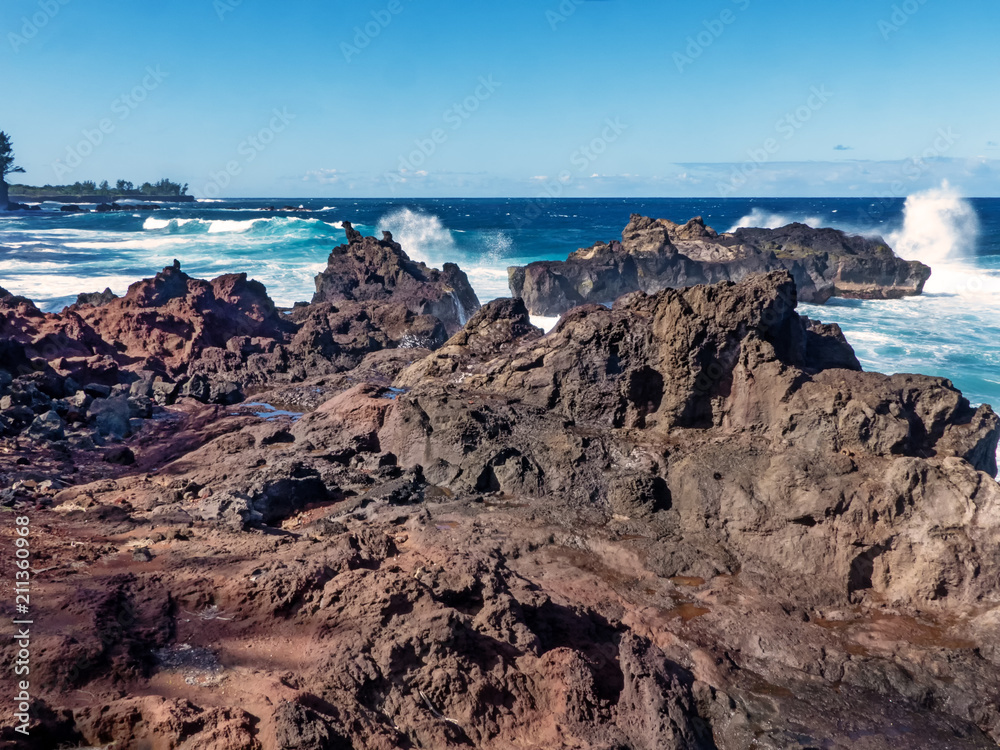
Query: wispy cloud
323	176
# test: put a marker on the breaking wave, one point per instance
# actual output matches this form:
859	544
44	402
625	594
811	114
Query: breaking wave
938	225
761	219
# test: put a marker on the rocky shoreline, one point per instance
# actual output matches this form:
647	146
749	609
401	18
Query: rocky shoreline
656	254
21	198
394	518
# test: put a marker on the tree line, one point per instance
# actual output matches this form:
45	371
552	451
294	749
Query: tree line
122	188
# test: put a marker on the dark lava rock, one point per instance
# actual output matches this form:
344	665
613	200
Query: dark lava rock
371	270
656	254
120	455
96	299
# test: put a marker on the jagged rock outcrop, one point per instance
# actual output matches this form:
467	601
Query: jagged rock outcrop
218	339
656	254
644	409
161	324
370	270
499	326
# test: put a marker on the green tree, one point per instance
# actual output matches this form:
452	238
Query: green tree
7	167
7	157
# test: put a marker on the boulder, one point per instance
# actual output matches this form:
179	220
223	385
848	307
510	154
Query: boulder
110	417
48	426
96	299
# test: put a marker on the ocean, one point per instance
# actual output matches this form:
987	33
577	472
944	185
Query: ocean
953	330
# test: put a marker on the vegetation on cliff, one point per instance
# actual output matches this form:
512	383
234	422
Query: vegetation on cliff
122	189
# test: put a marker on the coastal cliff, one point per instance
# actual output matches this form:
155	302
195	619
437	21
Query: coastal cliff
656	254
689	520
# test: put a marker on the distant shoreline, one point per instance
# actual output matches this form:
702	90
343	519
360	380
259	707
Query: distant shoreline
100	198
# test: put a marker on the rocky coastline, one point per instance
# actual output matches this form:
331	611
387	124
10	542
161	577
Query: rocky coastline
109	199
395	518
656	254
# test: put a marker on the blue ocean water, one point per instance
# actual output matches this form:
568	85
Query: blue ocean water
953	330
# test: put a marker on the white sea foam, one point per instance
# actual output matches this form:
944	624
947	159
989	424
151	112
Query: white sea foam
488	282
152	223
272	225
938	225
759	218
423	236
956	278
152	243
40	287
21	265
545	323
220	226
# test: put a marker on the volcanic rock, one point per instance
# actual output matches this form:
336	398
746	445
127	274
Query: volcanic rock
690	520
681	382
656	254
371	270
96	298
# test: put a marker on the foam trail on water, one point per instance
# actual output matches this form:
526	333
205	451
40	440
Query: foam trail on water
938	225
423	236
268	226
759	218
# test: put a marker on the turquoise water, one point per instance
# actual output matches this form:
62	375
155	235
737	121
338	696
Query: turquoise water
952	331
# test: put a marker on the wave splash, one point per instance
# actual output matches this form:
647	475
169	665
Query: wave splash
938	225
423	236
274	225
761	219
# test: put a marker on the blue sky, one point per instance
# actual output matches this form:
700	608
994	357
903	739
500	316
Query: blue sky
522	97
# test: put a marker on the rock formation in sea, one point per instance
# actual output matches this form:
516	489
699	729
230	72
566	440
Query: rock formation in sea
367	270
656	254
687	521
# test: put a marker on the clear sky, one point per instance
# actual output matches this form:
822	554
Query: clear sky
519	97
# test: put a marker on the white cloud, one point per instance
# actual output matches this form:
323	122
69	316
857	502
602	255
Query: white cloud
323	176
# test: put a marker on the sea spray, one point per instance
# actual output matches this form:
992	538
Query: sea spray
938	225
761	219
423	236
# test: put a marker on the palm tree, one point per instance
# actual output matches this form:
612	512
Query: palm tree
6	167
